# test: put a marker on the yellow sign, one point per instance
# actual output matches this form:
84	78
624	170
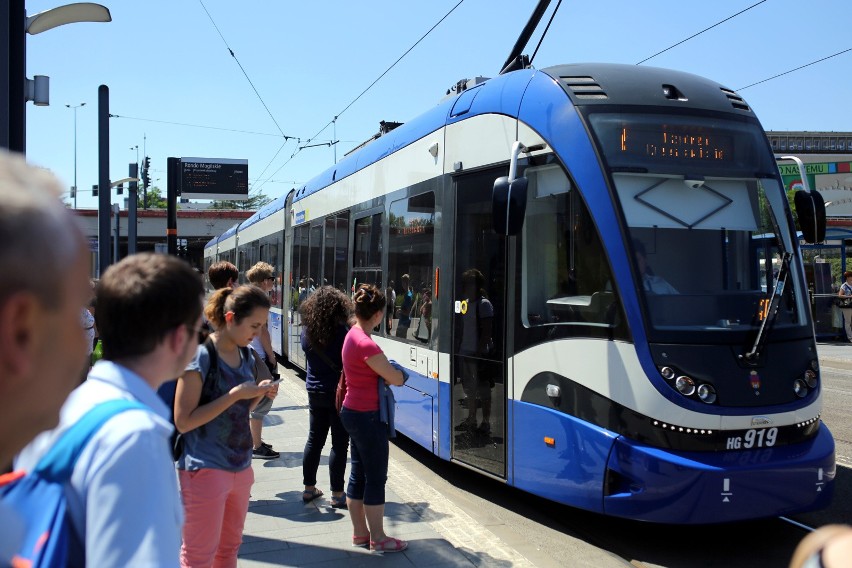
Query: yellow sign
464	307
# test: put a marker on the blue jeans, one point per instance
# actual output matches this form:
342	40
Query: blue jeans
369	455
323	416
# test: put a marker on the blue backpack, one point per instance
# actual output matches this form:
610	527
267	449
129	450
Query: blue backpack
39	496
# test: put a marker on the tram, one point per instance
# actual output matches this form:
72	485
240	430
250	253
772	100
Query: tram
609	303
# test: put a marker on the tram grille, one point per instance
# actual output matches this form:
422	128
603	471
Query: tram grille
584	87
736	101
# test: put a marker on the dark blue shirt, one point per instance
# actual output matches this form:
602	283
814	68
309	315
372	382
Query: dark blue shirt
322	378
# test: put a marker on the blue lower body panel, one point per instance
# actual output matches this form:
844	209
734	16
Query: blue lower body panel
652	484
559	457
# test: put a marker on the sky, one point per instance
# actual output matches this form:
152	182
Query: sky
178	92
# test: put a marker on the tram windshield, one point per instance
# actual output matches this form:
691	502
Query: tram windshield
706	220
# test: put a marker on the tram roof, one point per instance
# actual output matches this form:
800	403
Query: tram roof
264	212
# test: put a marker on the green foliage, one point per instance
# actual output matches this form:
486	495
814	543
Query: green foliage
155	199
253	203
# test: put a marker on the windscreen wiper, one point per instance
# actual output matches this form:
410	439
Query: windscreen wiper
772	312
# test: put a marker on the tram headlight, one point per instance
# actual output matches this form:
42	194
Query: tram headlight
707	393
811	378
800	388
814	364
667	373
685	385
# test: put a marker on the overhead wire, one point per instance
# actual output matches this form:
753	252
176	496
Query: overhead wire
702	31
386	71
195	125
796	69
231	51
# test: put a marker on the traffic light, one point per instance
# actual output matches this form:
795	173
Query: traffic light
146	172
119	189
95	190
73	191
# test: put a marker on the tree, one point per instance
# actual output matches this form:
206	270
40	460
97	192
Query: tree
155	199
253	203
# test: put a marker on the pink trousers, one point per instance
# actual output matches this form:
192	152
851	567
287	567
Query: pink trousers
215	504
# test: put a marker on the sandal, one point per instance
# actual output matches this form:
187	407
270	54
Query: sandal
389	544
360	540
311	494
339	502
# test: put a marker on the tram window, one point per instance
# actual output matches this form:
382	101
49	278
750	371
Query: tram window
314	269
565	273
335	252
300	265
410	265
367	251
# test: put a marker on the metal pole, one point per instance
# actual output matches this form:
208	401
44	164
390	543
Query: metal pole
104	190
76	190
13	66
131	209
116	209
172	180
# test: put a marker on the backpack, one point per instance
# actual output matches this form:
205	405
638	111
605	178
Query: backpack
167	392
39	496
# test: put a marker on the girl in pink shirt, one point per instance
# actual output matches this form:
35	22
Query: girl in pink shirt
365	365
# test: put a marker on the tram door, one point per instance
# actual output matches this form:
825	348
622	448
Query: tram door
479	315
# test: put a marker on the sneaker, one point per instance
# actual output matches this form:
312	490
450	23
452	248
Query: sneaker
264	453
265	445
485	429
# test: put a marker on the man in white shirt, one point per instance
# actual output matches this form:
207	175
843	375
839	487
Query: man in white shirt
123	499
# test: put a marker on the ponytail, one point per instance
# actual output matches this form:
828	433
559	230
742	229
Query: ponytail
242	301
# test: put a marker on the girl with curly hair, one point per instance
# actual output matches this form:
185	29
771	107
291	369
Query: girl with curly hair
325	315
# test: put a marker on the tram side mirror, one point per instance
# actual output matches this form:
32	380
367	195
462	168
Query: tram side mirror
508	205
810	209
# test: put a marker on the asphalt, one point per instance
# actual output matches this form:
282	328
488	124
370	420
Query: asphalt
281	530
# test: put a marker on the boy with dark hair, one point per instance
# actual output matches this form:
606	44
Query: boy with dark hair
123	496
223	274
262	275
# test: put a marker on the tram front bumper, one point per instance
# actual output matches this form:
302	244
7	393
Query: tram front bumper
653	484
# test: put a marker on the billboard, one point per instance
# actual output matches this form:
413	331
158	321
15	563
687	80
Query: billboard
213	178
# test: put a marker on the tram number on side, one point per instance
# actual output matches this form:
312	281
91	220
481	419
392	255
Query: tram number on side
754	438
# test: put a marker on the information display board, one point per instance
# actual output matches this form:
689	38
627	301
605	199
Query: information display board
214	178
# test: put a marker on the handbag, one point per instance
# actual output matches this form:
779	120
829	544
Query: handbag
340	393
843	301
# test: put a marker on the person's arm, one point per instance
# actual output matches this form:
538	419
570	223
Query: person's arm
380	364
189	415
266	342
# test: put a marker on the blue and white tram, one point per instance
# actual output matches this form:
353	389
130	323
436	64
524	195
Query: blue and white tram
635	363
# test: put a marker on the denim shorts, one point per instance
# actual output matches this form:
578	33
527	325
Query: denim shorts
369	451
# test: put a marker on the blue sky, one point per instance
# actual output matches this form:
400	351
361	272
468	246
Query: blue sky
164	62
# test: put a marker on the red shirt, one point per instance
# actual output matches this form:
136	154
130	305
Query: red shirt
362	382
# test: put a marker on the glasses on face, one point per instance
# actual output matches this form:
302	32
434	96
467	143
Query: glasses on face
201	332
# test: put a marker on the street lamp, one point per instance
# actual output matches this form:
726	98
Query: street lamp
75	107
14	25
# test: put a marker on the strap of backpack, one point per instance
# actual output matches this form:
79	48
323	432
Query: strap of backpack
327	359
58	463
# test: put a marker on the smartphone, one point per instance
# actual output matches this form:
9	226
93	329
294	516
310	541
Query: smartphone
273	383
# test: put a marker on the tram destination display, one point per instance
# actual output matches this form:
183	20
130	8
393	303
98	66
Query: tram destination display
214	178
